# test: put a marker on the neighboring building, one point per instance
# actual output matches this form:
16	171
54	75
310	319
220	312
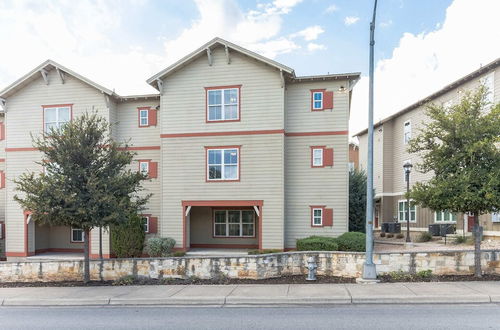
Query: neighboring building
353	156
391	137
241	152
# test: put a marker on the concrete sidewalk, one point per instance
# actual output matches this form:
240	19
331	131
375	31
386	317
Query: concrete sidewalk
248	295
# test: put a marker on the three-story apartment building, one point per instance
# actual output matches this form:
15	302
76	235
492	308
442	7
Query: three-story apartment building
241	152
391	137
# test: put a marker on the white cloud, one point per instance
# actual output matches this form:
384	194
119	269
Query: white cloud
310	33
386	24
350	20
314	47
426	62
331	9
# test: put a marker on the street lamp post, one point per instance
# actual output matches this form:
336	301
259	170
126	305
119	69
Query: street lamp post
407	167
369	270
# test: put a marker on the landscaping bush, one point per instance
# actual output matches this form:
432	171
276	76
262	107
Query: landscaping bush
265	251
460	240
124	280
317	243
390	235
352	241
424	237
400	235
382	234
127	239
159	246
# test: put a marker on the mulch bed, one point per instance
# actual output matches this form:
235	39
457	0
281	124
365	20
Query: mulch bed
296	279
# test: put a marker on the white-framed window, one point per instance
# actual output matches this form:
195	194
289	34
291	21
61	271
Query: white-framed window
403	211
56	117
143	117
223	104
317	156
77	235
145	223
317	100
317	216
144	167
223	164
495	217
445	216
234	223
407	132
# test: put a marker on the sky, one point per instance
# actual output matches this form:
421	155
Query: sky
420	47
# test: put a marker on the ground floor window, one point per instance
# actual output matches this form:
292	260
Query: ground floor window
317	215
234	223
77	235
145	224
495	217
445	216
403	211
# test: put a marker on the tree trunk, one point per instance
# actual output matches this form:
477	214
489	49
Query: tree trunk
100	243
86	261
477	247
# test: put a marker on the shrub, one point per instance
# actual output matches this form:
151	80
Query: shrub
125	280
400	235
390	235
382	234
460	240
127	239
159	246
400	276
424	237
317	243
352	241
424	274
178	254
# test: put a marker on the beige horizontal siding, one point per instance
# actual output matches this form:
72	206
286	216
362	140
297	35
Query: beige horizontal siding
307	186
183	102
127	125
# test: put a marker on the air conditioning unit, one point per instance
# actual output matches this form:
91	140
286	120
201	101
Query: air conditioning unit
394	227
446	229
435	229
385	227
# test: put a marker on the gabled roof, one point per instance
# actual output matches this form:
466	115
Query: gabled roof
203	50
442	91
45	67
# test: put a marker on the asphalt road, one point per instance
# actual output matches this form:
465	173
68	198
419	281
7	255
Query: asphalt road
486	316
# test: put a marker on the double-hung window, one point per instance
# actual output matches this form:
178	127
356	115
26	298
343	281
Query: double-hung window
317	100
223	104
143	117
77	235
234	223
317	156
145	224
495	217
317	217
55	117
144	167
223	164
403	211
444	216
407	132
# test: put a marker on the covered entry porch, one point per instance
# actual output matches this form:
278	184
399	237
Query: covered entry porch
222	224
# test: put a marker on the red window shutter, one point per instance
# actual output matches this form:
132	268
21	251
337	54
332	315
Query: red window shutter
328	218
153	225
2	131
2	179
152	117
328	100
328	157
153	170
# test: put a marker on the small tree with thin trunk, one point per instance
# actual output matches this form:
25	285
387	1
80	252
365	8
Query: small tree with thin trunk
85	183
460	145
357	200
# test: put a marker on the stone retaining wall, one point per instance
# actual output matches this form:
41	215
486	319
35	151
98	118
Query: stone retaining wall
252	267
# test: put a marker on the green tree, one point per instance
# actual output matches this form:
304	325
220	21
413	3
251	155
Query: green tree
127	238
460	145
85	183
357	200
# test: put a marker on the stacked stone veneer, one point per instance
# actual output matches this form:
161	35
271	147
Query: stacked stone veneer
253	267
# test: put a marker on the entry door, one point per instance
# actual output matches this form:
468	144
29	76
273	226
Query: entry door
470	223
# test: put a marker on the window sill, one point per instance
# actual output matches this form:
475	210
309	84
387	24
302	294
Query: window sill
213	181
222	121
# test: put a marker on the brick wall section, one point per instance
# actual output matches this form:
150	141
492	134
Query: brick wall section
253	267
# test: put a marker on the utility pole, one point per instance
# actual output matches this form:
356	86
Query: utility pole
369	271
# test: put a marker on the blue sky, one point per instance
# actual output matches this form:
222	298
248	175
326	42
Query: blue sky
420	45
